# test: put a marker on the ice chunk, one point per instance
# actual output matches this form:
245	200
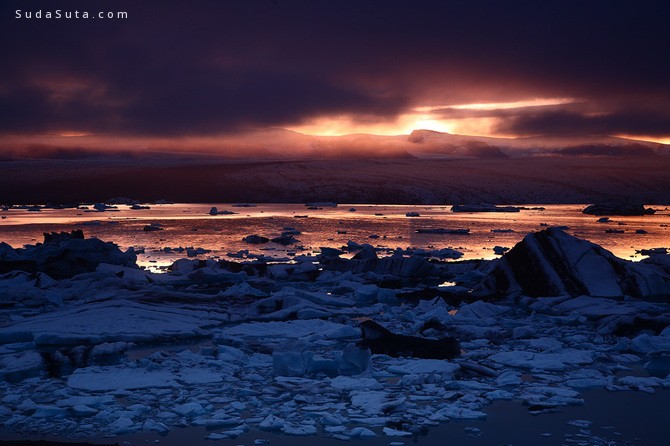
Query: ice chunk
554	263
110	321
189	409
456	412
366	293
353	360
243	289
508	378
376	402
480	309
299	429
45	411
100	379
19	366
330	419
582	424
396	433
96	401
122	425
410	366
271	422
231	354
155	426
285	329
84	411
292	358
361	432
641	381
543	361
199	375
348	383
646	343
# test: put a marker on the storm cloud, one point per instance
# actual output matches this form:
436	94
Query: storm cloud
207	67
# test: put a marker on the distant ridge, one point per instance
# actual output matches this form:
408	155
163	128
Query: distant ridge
278	143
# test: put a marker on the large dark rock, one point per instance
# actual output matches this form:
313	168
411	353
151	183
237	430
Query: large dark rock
617	209
381	341
554	263
64	255
255	239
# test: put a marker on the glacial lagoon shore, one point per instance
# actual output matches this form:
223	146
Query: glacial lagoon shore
561	341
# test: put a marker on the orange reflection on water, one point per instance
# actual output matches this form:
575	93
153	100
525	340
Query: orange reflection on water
384	226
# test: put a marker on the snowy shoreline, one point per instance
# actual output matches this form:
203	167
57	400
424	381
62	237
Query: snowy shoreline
104	348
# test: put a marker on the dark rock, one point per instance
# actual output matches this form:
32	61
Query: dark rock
617	209
652	251
59	237
285	239
443	231
500	250
64	255
367	252
254	239
483	208
381	341
330	253
215	211
122	200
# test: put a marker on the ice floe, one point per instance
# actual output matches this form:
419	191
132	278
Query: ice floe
293	346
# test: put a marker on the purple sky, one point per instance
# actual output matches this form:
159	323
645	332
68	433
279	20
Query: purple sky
202	69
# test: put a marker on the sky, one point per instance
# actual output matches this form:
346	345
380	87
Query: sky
196	71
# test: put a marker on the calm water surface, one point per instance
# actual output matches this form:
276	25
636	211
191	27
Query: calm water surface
190	225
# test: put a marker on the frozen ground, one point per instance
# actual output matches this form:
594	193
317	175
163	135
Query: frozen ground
243	349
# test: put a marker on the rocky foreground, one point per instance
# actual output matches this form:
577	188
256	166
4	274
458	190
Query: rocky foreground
92	345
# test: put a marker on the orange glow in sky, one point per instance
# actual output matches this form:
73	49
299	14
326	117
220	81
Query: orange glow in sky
402	125
647	138
537	102
424	118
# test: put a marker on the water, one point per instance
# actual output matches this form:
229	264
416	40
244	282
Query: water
383	226
619	418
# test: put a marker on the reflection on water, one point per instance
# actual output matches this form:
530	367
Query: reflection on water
386	226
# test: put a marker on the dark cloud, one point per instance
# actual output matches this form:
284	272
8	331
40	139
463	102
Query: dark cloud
209	66
648	123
